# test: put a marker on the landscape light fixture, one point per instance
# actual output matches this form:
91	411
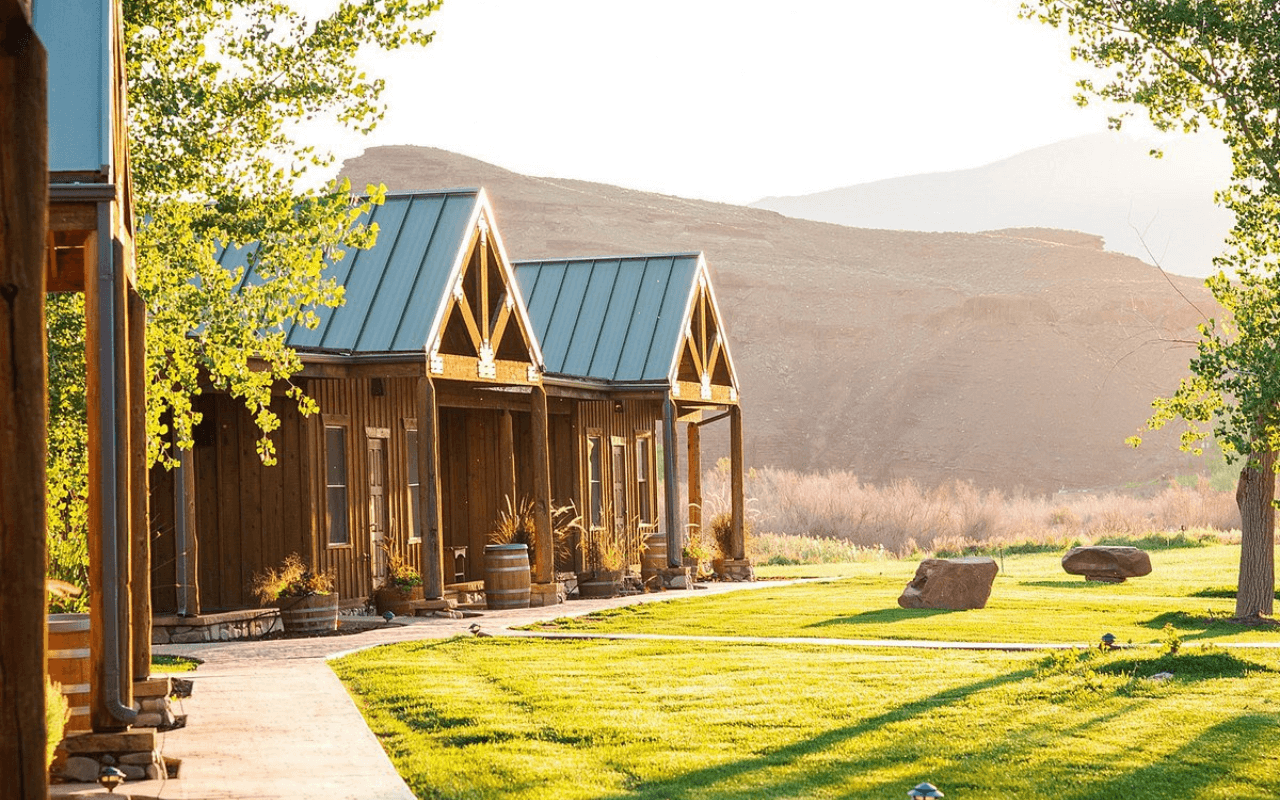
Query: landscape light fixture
110	778
925	790
1108	642
388	615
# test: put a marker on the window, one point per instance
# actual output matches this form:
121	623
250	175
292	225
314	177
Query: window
595	480
335	448
644	473
411	448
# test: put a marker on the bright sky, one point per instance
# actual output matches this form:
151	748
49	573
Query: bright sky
731	100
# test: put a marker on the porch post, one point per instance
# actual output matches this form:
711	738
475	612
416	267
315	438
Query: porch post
695	480
545	568
431	522
23	162
671	485
736	488
139	487
187	556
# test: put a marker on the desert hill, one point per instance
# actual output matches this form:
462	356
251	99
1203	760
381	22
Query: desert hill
1012	358
1104	183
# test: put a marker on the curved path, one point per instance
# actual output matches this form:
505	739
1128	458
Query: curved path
270	720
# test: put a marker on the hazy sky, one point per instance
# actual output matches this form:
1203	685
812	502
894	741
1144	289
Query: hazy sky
731	100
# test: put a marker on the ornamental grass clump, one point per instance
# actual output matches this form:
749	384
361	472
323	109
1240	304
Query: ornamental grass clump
293	579
400	573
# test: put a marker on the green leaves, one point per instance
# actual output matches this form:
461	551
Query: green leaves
217	90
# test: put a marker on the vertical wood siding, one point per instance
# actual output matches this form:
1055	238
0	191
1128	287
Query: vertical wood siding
352	564
637	416
247	514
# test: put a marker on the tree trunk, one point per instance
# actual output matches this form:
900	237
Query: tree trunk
1255	493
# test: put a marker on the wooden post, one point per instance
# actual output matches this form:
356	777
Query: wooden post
507	458
431	524
671	485
695	480
736	487
139	488
187	553
122	387
544	569
24	208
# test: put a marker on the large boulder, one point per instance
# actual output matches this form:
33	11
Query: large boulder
1106	563
951	583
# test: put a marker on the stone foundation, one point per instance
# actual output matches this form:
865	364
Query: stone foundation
735	569
675	578
249	624
546	594
133	752
466	595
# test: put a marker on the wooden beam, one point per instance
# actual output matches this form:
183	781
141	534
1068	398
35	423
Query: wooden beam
24	208
736	490
720	395
77	216
139	487
544	569
500	327
432	522
695	479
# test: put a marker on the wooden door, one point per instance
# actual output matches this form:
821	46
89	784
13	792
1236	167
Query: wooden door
377	461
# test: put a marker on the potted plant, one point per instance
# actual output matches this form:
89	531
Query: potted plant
603	562
508	557
403	585
722	535
306	599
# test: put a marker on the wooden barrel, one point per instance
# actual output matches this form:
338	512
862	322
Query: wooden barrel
310	614
654	559
600	584
68	663
506	576
401	602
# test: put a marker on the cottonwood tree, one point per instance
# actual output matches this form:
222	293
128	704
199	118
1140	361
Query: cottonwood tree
218	90
1194	63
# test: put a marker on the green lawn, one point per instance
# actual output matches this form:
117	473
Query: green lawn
492	718
1032	600
495	718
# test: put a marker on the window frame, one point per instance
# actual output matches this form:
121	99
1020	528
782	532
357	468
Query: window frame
645	469
414	489
595	482
340	422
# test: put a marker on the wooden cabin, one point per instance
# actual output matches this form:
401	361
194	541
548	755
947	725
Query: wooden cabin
431	414
638	344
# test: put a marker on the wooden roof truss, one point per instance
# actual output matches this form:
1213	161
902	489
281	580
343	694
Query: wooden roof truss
704	370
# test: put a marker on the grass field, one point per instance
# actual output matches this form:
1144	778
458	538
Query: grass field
1032	600
495	718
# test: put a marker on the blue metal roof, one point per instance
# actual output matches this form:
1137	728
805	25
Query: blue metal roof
77	36
616	319
396	290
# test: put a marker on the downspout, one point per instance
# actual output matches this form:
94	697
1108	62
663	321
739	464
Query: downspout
108	434
671	487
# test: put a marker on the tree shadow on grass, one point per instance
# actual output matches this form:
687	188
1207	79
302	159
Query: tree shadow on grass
881	616
715	782
1079	583
1195	627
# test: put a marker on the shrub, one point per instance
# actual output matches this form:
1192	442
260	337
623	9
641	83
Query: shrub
56	713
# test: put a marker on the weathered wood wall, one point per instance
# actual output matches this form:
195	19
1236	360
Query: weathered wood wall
603	418
354	398
248	516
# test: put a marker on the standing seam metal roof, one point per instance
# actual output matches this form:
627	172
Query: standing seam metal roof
616	319
395	289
